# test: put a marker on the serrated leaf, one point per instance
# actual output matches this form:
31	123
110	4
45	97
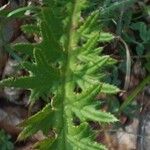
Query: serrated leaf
67	67
30	29
40	121
83	98
89	112
109	89
89	23
85	144
105	37
90	44
44	144
41	80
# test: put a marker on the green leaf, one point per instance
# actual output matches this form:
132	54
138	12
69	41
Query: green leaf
89	112
41	80
134	93
105	37
85	144
44	144
30	29
20	11
109	89
142	28
65	67
40	121
89	23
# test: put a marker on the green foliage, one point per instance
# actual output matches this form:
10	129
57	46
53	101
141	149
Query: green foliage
134	93
67	63
137	34
144	34
5	143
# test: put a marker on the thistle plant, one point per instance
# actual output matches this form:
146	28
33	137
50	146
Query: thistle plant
68	66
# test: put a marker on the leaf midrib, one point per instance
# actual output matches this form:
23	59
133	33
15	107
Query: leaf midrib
67	72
